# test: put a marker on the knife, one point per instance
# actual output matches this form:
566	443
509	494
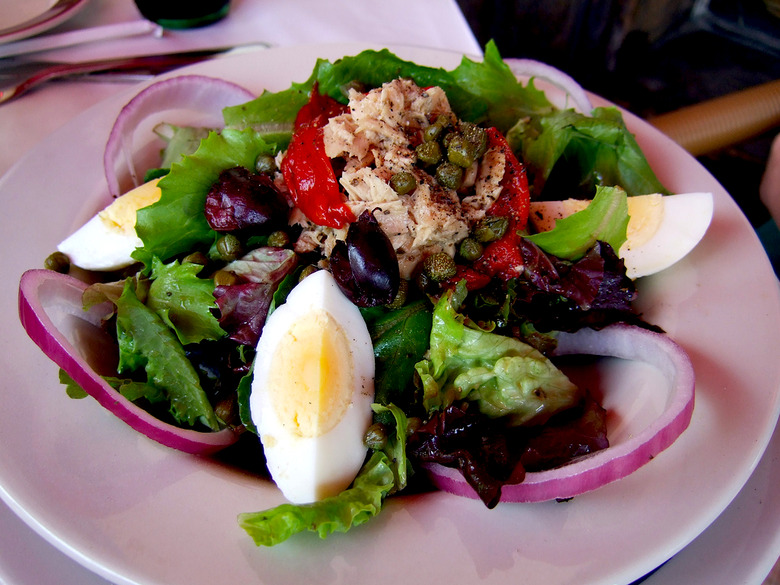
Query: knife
19	78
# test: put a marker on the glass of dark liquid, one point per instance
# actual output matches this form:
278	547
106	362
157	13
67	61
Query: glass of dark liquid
179	14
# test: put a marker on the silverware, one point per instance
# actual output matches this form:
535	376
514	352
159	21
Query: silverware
21	77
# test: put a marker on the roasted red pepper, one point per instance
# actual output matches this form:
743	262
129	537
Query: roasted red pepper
515	199
474	280
503	258
307	170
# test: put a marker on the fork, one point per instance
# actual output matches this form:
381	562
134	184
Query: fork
21	78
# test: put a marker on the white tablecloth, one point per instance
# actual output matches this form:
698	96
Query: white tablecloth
430	23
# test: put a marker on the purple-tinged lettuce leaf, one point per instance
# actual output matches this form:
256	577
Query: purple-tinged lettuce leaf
244	307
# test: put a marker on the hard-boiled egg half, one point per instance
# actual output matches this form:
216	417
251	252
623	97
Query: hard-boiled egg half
106	241
312	389
662	229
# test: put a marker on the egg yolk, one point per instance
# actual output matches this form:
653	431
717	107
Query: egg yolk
312	378
121	214
645	216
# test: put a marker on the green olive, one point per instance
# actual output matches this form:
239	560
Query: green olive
403	183
490	229
470	249
58	262
449	175
228	247
429	153
439	266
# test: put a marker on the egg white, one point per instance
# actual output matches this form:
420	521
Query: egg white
685	220
108	239
311	427
662	229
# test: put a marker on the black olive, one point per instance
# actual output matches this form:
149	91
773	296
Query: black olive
240	200
365	265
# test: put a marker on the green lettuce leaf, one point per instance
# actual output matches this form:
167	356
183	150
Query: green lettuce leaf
385	473
400	340
243	393
604	219
503	376
568	154
184	301
352	507
484	91
179	141
72	389
396	443
176	223
146	342
127	387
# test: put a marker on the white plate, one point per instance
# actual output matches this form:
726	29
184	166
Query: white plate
20	19
136	512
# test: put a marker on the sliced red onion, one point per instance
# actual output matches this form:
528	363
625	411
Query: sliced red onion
616	462
531	68
193	92
51	311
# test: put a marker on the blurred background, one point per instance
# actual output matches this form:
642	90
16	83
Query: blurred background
653	57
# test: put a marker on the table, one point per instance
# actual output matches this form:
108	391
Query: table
437	23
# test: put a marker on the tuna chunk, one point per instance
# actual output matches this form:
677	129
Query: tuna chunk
376	139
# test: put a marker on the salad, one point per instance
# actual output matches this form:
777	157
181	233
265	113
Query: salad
380	240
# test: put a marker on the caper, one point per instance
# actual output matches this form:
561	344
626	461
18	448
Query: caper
470	249
490	229
403	183
449	175
443	121
429	153
265	163
310	269
228	247
58	262
278	239
434	131
375	437
227	409
424	281
196	258
413	424
225	278
477	136
439	266
400	296
461	152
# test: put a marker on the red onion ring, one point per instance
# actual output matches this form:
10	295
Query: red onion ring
51	311
613	463
193	92
531	68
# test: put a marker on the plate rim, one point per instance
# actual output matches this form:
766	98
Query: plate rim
42	529
54	15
